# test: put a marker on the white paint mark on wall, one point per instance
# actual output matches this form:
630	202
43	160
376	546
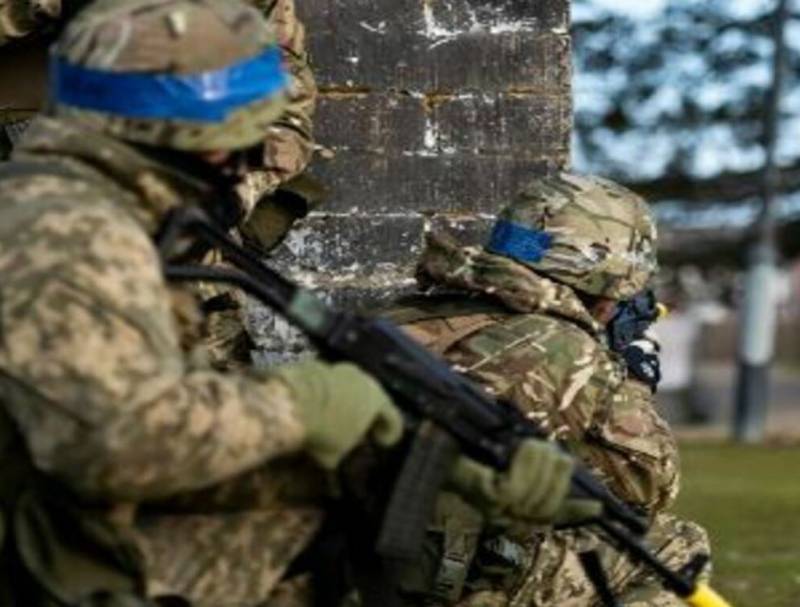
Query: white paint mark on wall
434	30
379	29
498	24
303	241
510	27
430	139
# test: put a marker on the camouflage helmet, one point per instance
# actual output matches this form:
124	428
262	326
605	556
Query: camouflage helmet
586	232
192	75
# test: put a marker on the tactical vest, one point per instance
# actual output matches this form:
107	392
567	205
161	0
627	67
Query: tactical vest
464	315
458	554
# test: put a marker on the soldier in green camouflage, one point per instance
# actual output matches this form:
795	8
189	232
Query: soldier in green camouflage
133	471
526	317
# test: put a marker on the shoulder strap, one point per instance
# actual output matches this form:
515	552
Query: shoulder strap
460	328
418	307
459	317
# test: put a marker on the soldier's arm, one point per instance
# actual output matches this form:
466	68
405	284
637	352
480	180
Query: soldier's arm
289	144
580	395
633	448
112	405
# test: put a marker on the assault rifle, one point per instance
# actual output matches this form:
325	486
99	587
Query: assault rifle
446	412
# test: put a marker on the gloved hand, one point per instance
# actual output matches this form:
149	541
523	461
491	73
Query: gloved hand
270	222
339	406
534	488
278	206
641	357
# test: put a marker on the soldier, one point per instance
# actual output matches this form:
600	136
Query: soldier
135	473
26	29
526	316
28	26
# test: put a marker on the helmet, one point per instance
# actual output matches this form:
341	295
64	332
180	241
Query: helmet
192	75
586	232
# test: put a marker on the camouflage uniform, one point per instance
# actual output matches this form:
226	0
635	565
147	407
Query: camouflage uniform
180	479
288	143
530	339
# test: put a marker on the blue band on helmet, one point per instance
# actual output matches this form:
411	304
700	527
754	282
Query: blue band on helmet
518	242
205	97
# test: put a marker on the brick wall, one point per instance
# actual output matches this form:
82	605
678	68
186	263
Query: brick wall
432	113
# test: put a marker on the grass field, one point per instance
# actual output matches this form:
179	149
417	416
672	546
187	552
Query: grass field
749	500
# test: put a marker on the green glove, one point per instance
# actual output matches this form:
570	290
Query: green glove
534	488
270	222
340	406
275	212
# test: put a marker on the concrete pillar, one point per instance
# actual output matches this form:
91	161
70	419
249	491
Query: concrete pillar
433	113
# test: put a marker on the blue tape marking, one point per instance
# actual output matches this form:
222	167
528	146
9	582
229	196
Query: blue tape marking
206	97
518	242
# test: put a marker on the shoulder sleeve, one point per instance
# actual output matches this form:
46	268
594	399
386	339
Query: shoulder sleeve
634	448
103	392
545	366
288	144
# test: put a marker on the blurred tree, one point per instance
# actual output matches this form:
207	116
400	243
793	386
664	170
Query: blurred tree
672	102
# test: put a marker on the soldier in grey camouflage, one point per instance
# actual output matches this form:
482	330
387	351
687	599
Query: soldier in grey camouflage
26	27
134	472
102	379
525	316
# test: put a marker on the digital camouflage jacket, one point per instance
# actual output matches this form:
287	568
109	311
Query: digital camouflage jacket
100	377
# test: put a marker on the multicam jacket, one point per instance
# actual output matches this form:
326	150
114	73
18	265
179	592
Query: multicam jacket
537	345
288	144
100	377
531	340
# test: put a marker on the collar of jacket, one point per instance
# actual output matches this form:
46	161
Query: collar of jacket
149	187
444	263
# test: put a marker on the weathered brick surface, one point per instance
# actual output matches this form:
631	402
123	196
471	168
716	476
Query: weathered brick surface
381	141
435	112
346	246
439	45
425	184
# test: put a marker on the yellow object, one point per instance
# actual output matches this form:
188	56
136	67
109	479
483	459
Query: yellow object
663	311
705	596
